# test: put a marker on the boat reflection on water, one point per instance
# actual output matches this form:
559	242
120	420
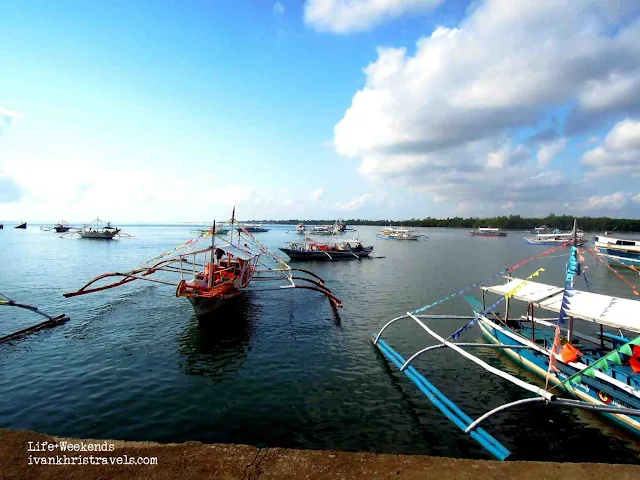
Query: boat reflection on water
219	349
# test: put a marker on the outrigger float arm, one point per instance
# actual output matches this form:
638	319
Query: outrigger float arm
50	322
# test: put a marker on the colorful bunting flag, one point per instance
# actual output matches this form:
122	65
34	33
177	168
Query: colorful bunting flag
626	349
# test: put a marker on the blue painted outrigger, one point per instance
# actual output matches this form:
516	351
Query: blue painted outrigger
600	378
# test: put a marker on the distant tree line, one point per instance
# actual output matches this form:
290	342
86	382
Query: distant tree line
512	222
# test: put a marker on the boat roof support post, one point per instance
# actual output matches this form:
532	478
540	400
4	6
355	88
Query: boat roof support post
533	323
386	325
501	408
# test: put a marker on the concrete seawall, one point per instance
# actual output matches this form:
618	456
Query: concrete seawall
197	460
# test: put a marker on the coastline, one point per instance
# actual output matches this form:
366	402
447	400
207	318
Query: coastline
198	460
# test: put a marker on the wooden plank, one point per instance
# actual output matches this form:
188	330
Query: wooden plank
53	322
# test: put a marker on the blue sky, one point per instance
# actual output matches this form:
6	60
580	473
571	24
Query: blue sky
175	111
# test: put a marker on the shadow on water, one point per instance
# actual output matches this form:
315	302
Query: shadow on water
217	345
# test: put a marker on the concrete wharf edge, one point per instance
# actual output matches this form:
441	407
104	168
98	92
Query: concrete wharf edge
197	460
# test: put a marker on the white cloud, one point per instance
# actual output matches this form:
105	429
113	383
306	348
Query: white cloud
619	153
278	8
10	191
613	91
355	203
548	151
6	117
442	119
636	198
11	114
347	16
317	194
615	201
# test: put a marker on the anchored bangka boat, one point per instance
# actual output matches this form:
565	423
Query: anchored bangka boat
209	274
601	373
557	237
51	321
1	226
399	233
347	249
97	230
255	227
60	227
325	230
220	230
618	251
488	232
542	229
22	225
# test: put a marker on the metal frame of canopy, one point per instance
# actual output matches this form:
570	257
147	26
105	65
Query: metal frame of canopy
613	311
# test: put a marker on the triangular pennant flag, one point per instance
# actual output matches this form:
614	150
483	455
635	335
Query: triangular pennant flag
635	341
602	364
576	379
626	349
614	357
589	372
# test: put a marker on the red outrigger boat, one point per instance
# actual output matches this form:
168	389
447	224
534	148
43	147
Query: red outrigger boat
214	274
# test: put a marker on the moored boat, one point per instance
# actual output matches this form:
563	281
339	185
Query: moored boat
399	233
98	230
255	227
557	237
602	373
488	232
542	229
348	249
60	227
212	275
22	225
618	251
325	230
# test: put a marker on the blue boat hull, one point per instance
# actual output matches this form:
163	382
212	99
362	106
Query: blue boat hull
589	390
617	257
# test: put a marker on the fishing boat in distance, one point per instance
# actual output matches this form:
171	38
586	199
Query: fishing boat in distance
601	372
1	226
220	230
60	227
210	274
309	249
541	229
488	232
556	237
22	226
618	251
399	233
255	227
97	230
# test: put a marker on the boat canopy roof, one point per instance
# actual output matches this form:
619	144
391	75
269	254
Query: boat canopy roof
242	254
593	307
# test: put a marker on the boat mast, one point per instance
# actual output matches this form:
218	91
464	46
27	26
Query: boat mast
233	215
575	245
213	243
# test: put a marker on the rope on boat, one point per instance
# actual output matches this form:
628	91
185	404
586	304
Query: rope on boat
507	270
630	285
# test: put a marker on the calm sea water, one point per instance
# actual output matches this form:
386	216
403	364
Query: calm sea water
276	368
